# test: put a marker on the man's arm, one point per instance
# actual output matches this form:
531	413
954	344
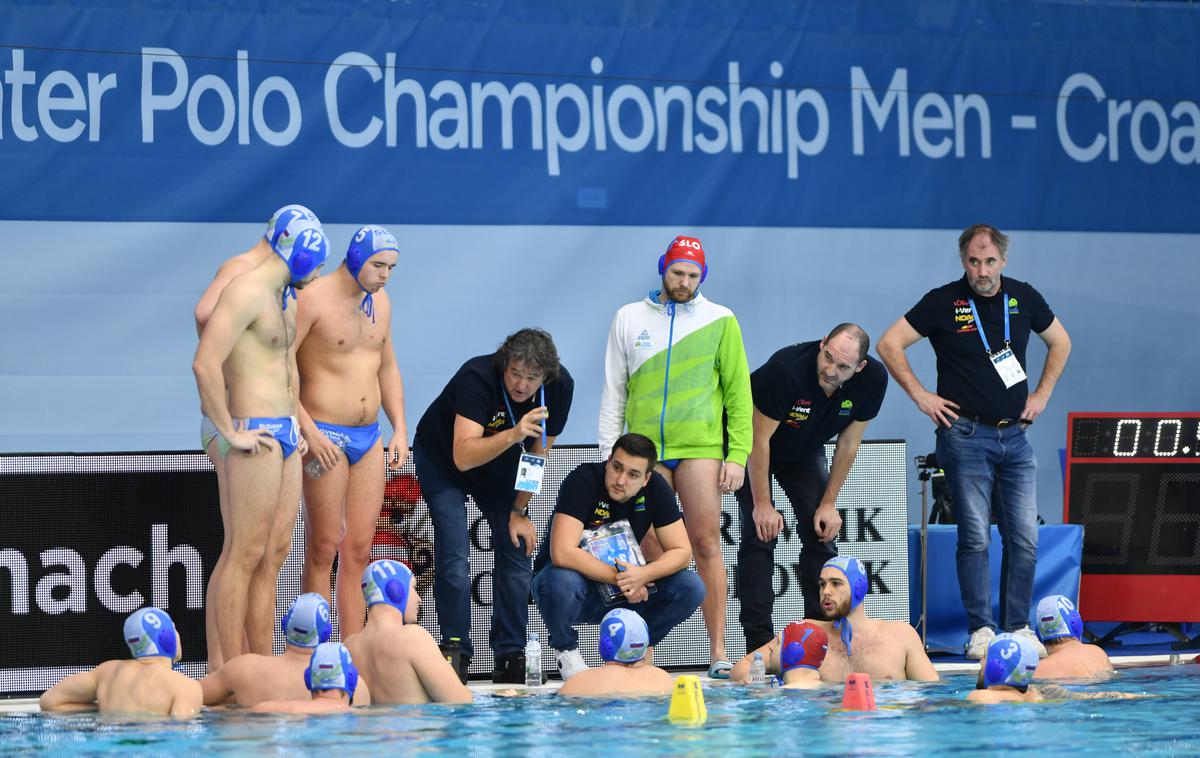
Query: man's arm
917	666
898	338
391	391
739	404
770	654
616	389
188	698
768	522
77	692
1058	347
519	523
436	675
827	521
676	555
235	312
217	687
565	552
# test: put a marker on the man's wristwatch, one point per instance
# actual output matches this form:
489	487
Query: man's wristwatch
521	511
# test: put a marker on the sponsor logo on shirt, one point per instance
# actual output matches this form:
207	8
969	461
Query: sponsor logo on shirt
639	505
643	341
1012	306
498	422
963	318
600	514
847	407
800	411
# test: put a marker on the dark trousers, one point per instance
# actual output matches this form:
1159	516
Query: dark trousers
804	484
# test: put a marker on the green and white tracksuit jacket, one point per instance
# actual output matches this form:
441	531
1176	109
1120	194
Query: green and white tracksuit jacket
669	372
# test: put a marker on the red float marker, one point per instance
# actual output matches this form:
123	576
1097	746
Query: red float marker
859	695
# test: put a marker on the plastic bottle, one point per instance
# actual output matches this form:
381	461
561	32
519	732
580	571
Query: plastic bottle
313	469
758	671
533	661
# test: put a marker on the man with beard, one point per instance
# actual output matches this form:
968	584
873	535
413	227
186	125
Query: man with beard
979	327
246	373
803	395
675	371
887	650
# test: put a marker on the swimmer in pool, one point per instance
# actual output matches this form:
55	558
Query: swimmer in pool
146	684
397	655
624	644
1060	629
331	678
246	375
1006	673
250	679
857	643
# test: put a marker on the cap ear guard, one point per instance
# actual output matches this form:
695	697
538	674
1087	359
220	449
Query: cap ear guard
662	267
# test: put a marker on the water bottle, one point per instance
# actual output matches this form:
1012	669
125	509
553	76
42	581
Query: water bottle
314	470
758	671
533	661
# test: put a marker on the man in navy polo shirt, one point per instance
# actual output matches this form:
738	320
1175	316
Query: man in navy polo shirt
569	578
471	441
979	329
804	395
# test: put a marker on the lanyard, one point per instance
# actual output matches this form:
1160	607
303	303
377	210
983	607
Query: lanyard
513	419
978	323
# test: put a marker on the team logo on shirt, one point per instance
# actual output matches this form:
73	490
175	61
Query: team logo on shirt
643	341
963	319
847	407
639	505
800	411
1012	306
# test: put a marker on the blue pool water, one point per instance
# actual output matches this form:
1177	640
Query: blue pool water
925	719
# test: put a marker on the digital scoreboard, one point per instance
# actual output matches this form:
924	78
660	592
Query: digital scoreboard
1133	483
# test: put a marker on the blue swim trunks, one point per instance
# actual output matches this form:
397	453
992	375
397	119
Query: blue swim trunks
671	464
285	430
355	441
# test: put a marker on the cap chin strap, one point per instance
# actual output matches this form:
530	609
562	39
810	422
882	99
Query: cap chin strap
367	305
843	625
289	290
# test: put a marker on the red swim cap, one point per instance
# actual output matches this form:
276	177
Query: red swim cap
803	644
683	249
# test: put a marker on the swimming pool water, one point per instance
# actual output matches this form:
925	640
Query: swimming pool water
913	719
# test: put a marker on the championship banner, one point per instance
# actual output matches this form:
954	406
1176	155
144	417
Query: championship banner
86	540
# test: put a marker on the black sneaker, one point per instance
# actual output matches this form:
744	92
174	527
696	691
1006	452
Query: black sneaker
458	660
509	668
464	667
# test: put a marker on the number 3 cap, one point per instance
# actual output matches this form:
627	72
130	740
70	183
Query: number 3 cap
1010	660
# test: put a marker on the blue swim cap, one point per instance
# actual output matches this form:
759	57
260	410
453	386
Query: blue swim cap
387	581
1010	660
331	668
149	632
295	234
368	241
1057	618
624	637
306	623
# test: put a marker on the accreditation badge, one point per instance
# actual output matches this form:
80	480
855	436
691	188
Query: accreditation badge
529	473
1008	367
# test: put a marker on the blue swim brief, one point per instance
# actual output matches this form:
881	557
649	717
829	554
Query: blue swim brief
355	441
285	430
671	464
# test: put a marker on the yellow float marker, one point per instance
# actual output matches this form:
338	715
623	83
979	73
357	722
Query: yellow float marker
687	701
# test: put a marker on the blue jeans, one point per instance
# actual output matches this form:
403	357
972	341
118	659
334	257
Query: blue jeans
566	597
989	468
511	575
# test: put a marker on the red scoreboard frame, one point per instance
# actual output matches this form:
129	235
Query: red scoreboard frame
1135	479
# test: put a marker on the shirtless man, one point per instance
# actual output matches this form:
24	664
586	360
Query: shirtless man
245	371
251	679
401	659
796	655
1060	629
857	644
347	371
144	685
1008	668
210	441
624	643
332	679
